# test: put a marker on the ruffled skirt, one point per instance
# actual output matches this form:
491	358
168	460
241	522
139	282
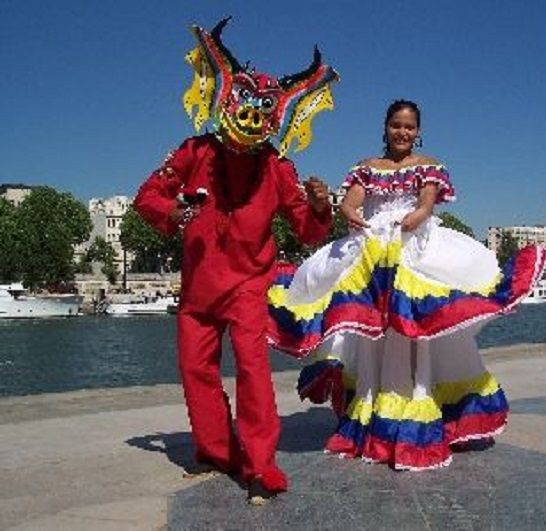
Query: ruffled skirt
391	321
405	403
422	285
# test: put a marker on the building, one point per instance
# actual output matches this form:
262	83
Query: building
109	213
106	215
524	235
336	197
15	193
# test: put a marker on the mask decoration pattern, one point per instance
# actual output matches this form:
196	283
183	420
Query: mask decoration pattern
247	107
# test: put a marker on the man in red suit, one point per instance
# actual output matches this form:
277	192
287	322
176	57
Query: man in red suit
228	249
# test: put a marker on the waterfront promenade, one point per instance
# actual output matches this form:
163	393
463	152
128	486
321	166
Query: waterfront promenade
114	459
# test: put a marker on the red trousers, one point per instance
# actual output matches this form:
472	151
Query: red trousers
251	447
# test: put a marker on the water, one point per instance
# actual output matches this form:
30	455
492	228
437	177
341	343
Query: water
54	355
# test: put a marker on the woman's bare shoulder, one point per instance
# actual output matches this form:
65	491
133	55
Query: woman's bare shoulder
374	162
426	159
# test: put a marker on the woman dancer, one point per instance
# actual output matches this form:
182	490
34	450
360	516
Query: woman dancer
390	313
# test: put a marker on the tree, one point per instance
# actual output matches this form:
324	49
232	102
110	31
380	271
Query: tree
9	259
452	222
153	251
288	244
103	252
48	225
339	228
84	265
508	247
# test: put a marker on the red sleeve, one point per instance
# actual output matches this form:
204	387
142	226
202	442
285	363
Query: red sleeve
156	198
309	226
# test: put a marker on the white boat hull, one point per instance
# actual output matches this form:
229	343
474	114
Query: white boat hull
32	307
538	295
533	300
157	307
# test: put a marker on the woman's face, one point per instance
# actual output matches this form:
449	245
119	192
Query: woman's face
401	131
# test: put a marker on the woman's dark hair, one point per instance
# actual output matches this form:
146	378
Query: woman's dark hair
393	108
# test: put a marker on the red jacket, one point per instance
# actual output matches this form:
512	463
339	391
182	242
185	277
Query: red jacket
229	245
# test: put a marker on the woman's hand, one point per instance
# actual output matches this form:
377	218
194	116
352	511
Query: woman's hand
354	219
427	199
353	200
412	220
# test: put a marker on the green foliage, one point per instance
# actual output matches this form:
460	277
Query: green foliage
103	252
84	265
453	222
9	262
290	249
40	236
288	246
508	247
339	228
153	251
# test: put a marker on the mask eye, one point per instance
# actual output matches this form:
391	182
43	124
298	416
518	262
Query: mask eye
268	103
244	93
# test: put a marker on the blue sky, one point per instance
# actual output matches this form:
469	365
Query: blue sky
90	90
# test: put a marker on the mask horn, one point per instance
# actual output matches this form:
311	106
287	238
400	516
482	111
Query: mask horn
306	94
286	82
216	37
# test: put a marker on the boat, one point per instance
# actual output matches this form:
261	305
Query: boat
145	306
16	303
538	295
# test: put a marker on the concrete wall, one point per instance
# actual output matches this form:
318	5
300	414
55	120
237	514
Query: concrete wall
90	286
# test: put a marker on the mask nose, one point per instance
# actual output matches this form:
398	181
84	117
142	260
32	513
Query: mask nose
249	118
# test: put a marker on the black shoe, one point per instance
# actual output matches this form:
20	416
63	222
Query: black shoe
202	469
258	495
473	445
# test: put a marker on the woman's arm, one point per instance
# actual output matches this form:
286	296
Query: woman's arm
353	200
425	206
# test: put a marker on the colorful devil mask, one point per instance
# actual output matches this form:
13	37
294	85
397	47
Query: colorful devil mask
248	108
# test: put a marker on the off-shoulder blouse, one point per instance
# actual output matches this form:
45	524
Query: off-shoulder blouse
408	179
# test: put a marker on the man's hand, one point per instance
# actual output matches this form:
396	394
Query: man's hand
182	215
176	214
317	194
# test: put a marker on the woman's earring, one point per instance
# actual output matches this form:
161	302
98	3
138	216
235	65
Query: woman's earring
418	143
385	143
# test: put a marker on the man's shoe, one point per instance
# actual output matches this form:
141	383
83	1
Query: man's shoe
201	470
258	495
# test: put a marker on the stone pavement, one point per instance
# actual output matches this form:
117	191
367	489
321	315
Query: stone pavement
113	460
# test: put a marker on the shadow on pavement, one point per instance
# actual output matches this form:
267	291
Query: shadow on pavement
301	432
177	447
307	431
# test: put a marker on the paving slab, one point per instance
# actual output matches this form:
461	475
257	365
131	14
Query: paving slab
502	488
